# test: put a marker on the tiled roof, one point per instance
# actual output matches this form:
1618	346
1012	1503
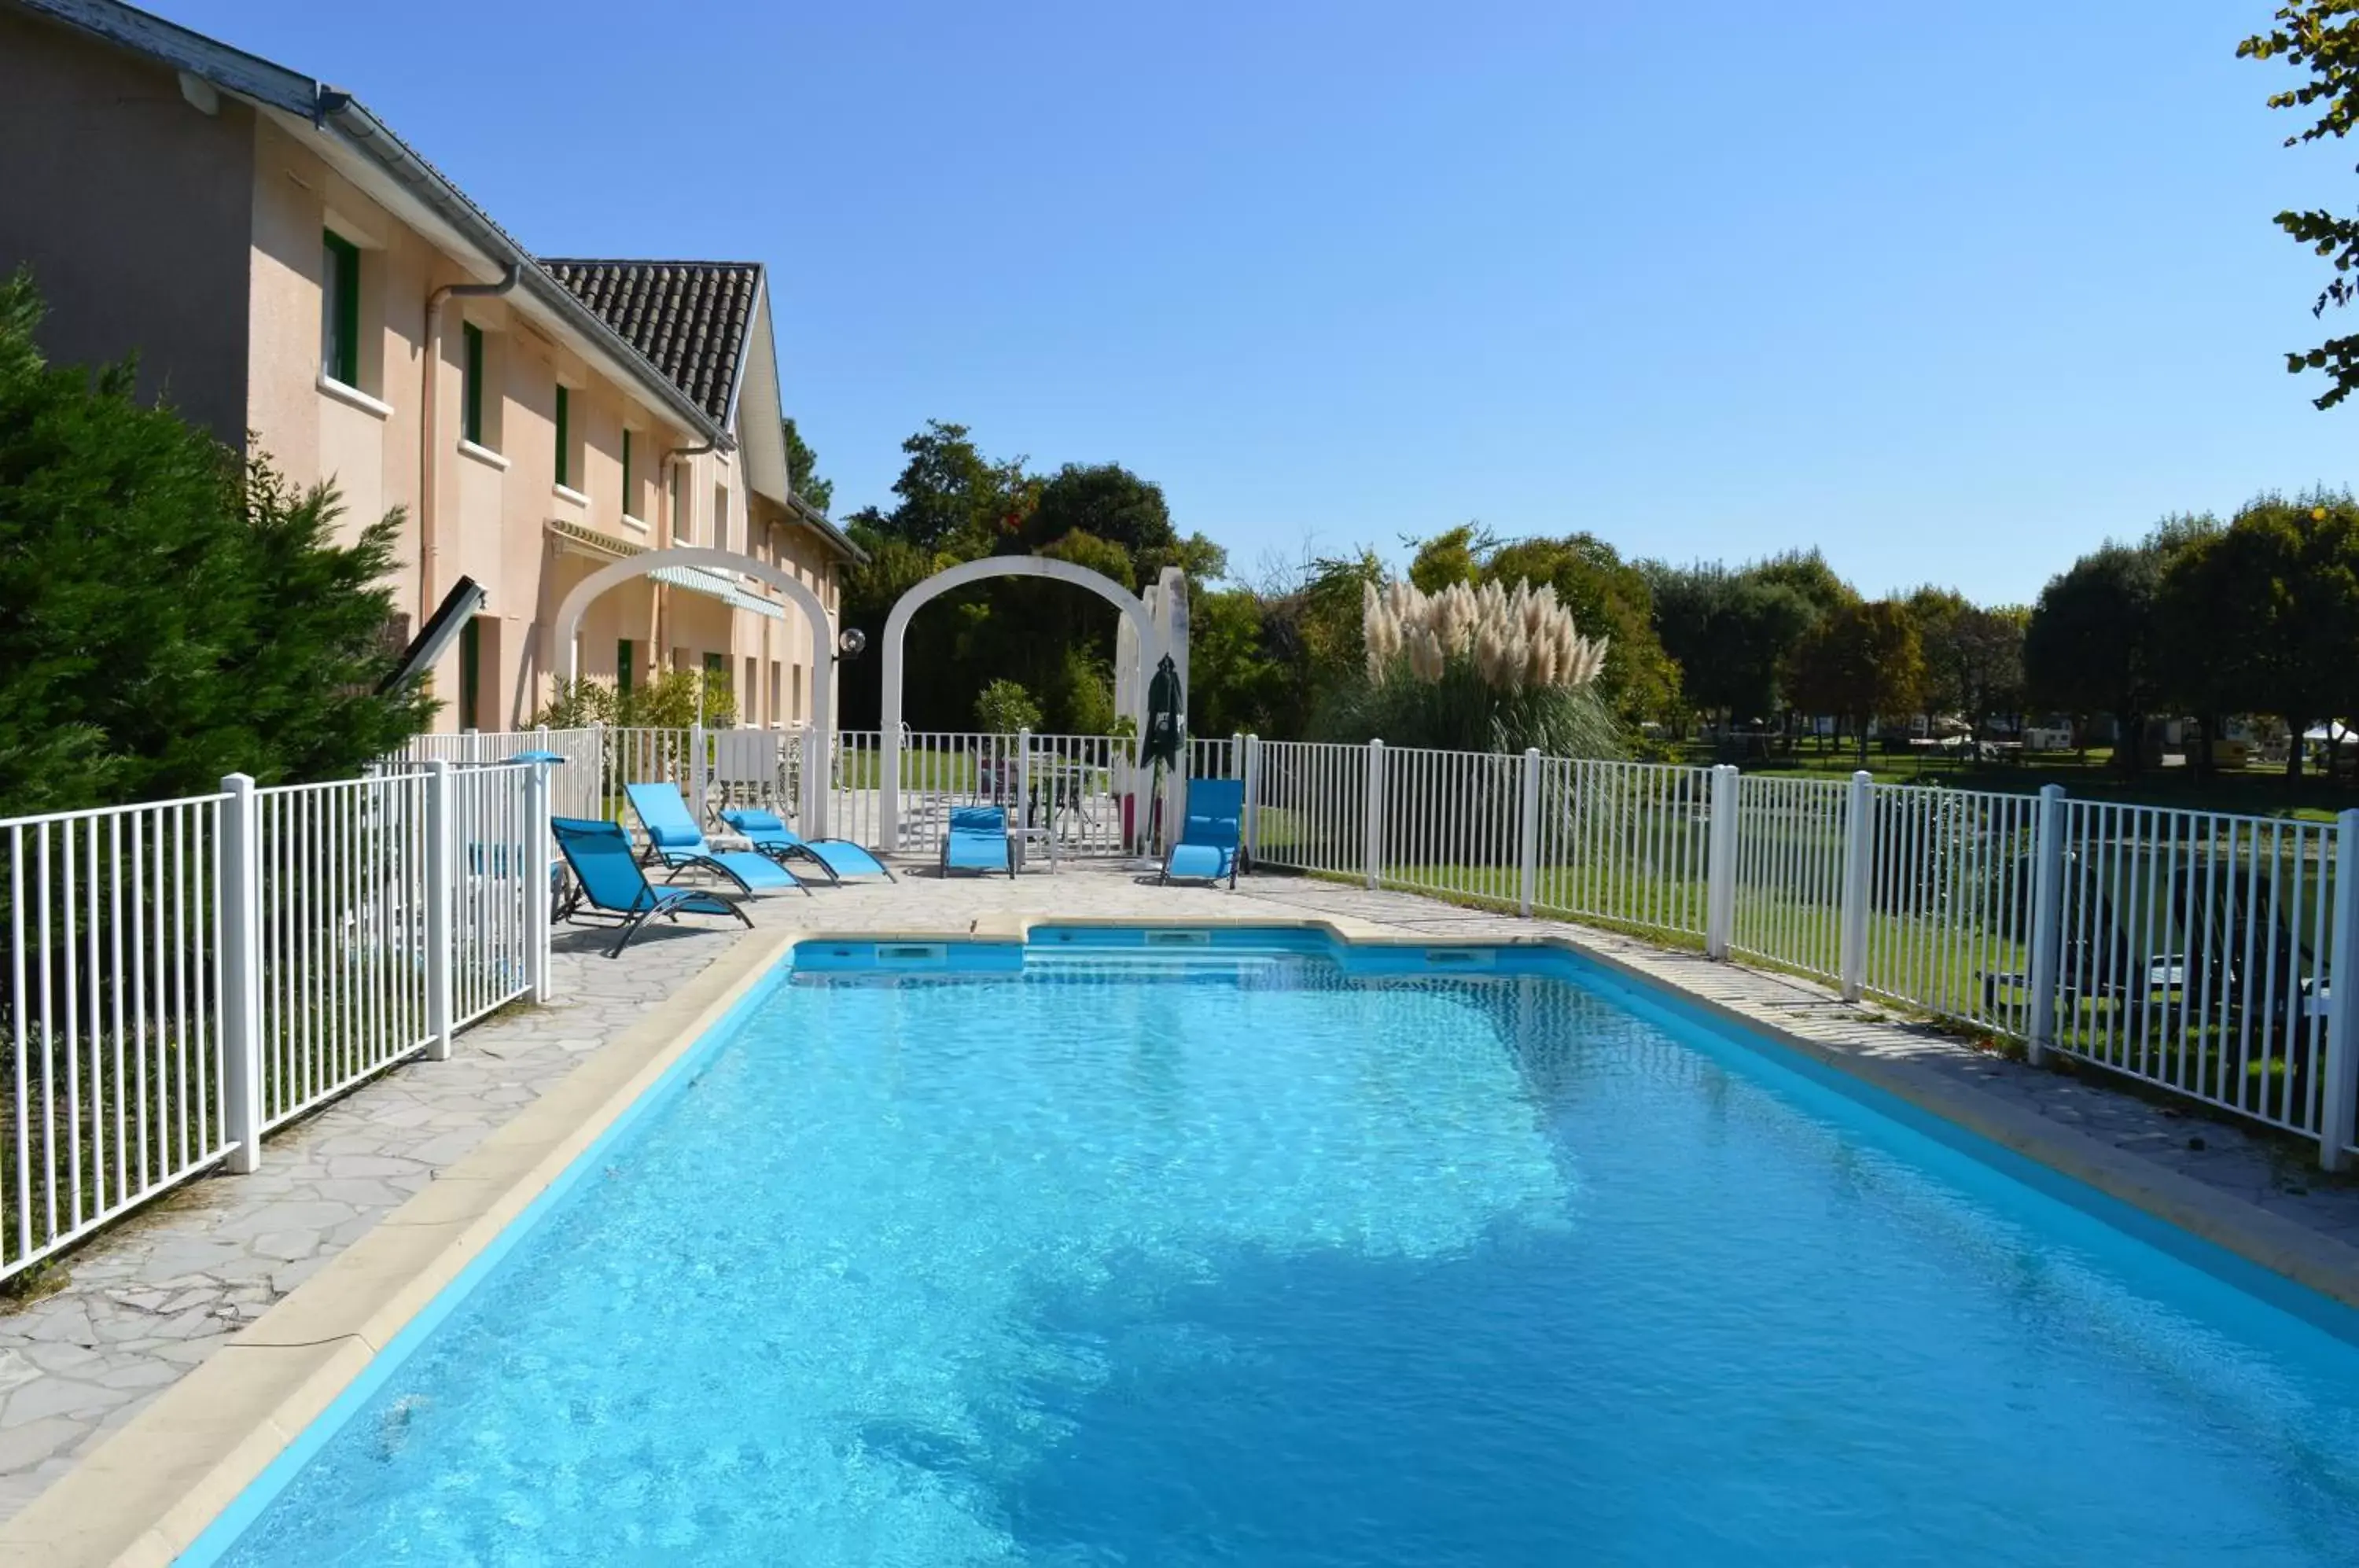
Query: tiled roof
689	317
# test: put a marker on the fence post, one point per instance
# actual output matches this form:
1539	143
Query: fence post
2335	1129
698	777
441	830
2047	920
535	872
809	806
597	807
1251	771
241	939
1719	866
1023	778
1858	866
1527	853
1374	853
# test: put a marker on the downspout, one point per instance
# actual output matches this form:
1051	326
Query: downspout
428	542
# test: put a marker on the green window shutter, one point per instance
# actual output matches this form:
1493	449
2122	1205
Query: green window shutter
626	472
339	309
472	419
564	440
623	668
471	673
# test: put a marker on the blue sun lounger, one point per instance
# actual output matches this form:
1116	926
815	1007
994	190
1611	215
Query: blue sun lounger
674	838
839	857
978	841
1209	834
611	884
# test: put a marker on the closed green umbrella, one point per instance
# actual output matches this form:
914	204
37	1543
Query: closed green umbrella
1167	723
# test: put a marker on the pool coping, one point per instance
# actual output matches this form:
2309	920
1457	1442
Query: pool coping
144	1496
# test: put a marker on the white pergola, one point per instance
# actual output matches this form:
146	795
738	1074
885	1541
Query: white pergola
1145	634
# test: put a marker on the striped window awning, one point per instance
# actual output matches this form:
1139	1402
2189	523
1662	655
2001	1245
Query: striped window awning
578	539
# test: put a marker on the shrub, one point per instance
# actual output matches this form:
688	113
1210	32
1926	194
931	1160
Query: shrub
1475	669
1004	708
668	701
168	613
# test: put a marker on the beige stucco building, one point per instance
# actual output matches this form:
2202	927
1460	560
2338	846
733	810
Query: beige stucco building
297	278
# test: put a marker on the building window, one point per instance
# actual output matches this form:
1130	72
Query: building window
470	674
623	668
683	527
720	516
628	509
797	692
470	394
340	310
777	704
564	436
752	688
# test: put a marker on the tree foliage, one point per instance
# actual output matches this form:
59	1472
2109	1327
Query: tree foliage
2263	615
1729	633
2321	38
1862	661
1973	656
2095	645
167	614
1609	598
802	471
954	504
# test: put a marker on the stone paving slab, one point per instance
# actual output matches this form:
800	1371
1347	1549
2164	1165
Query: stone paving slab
151	1299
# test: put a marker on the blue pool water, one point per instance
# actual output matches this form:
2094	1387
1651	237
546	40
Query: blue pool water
1251	1259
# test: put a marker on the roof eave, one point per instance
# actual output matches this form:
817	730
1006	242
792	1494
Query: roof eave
820	523
372	139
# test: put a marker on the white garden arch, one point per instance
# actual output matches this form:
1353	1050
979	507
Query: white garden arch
585	592
897	626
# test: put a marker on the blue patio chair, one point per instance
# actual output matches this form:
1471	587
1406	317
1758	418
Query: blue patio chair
610	884
978	841
1210	833
839	857
674	838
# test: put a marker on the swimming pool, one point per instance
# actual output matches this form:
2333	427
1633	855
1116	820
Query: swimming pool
1244	1249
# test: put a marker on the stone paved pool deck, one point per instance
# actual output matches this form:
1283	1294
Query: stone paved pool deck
146	1304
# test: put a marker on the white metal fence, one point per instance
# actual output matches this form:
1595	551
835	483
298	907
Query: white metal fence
181	977
1622	843
113	1014
1080	788
2198	952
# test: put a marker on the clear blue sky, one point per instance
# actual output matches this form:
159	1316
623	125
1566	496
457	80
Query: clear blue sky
1951	292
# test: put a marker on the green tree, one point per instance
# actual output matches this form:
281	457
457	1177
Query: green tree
1611	598
167	614
1236	683
2274	599
2095	643
1312	627
1456	555
2321	38
1106	501
802	471
1862	661
1973	656
1730	633
951	498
